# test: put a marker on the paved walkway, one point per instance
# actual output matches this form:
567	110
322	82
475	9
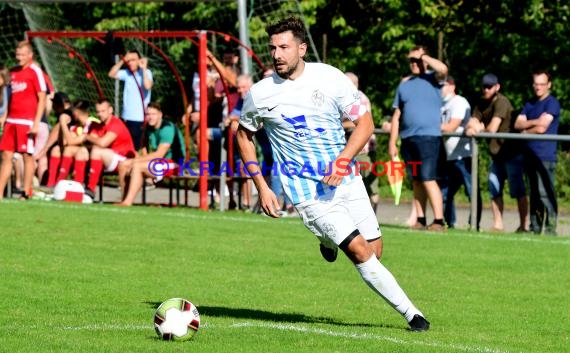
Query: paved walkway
387	212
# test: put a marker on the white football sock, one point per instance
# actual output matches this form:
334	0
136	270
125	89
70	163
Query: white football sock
383	283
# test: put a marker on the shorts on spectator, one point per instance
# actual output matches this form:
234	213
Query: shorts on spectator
511	169
216	133
114	165
15	138
172	168
424	149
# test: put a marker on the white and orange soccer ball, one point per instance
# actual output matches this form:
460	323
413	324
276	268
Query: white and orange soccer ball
176	319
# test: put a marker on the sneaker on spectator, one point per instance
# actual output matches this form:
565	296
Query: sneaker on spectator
418	226
436	227
90	193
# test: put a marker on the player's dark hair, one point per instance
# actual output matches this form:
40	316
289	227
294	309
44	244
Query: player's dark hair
418	47
293	24
103	100
542	72
155	105
81	105
134	51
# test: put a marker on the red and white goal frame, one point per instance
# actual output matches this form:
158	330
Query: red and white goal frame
197	37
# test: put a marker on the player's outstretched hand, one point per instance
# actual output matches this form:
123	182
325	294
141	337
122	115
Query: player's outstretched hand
269	203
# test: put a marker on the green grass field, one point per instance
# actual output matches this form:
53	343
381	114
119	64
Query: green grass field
88	278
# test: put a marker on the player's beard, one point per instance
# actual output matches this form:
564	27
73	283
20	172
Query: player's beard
285	74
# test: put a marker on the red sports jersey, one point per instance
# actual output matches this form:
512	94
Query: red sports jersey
26	83
123	144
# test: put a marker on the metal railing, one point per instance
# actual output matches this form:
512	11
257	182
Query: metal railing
475	154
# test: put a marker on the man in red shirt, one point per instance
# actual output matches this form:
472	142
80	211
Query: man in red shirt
25	109
112	144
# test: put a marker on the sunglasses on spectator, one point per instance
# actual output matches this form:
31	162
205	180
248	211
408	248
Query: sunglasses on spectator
415	61
488	86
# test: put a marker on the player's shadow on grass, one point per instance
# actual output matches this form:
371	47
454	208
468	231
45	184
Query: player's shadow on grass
239	313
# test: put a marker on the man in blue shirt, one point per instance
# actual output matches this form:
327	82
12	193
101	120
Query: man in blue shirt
541	116
138	83
419	100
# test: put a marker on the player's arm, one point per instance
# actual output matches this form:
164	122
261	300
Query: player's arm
364	127
246	147
115	69
228	75
534	126
437	65
160	152
104	141
394	132
52	138
452	125
39	112
362	119
146	74
3	118
494	125
68	137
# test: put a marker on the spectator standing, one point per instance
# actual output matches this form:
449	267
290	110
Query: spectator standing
25	110
493	113
455	115
541	115
138	82
4	91
419	99
244	83
368	152
301	108
40	140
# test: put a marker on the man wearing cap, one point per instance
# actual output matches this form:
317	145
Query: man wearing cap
455	115
493	113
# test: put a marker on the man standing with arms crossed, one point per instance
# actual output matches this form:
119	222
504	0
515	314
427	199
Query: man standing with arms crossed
25	110
300	109
419	99
541	116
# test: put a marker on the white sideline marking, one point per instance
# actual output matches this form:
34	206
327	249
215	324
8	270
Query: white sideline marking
370	336
302	329
170	213
291	220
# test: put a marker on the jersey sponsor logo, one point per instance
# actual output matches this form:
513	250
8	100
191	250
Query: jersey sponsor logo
303	132
270	109
18	86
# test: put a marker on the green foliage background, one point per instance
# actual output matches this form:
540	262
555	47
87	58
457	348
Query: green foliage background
371	38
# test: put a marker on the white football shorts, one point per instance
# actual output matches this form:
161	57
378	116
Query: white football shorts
335	216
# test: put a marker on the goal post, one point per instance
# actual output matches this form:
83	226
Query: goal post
102	84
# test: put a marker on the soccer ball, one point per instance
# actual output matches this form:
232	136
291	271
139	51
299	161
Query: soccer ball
176	319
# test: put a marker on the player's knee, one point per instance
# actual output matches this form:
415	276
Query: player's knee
356	248
376	246
82	154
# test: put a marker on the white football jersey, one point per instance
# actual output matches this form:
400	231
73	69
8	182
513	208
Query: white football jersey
303	121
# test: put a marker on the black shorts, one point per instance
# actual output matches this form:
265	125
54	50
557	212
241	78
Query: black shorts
423	158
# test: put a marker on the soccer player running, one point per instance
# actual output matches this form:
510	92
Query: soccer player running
299	106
